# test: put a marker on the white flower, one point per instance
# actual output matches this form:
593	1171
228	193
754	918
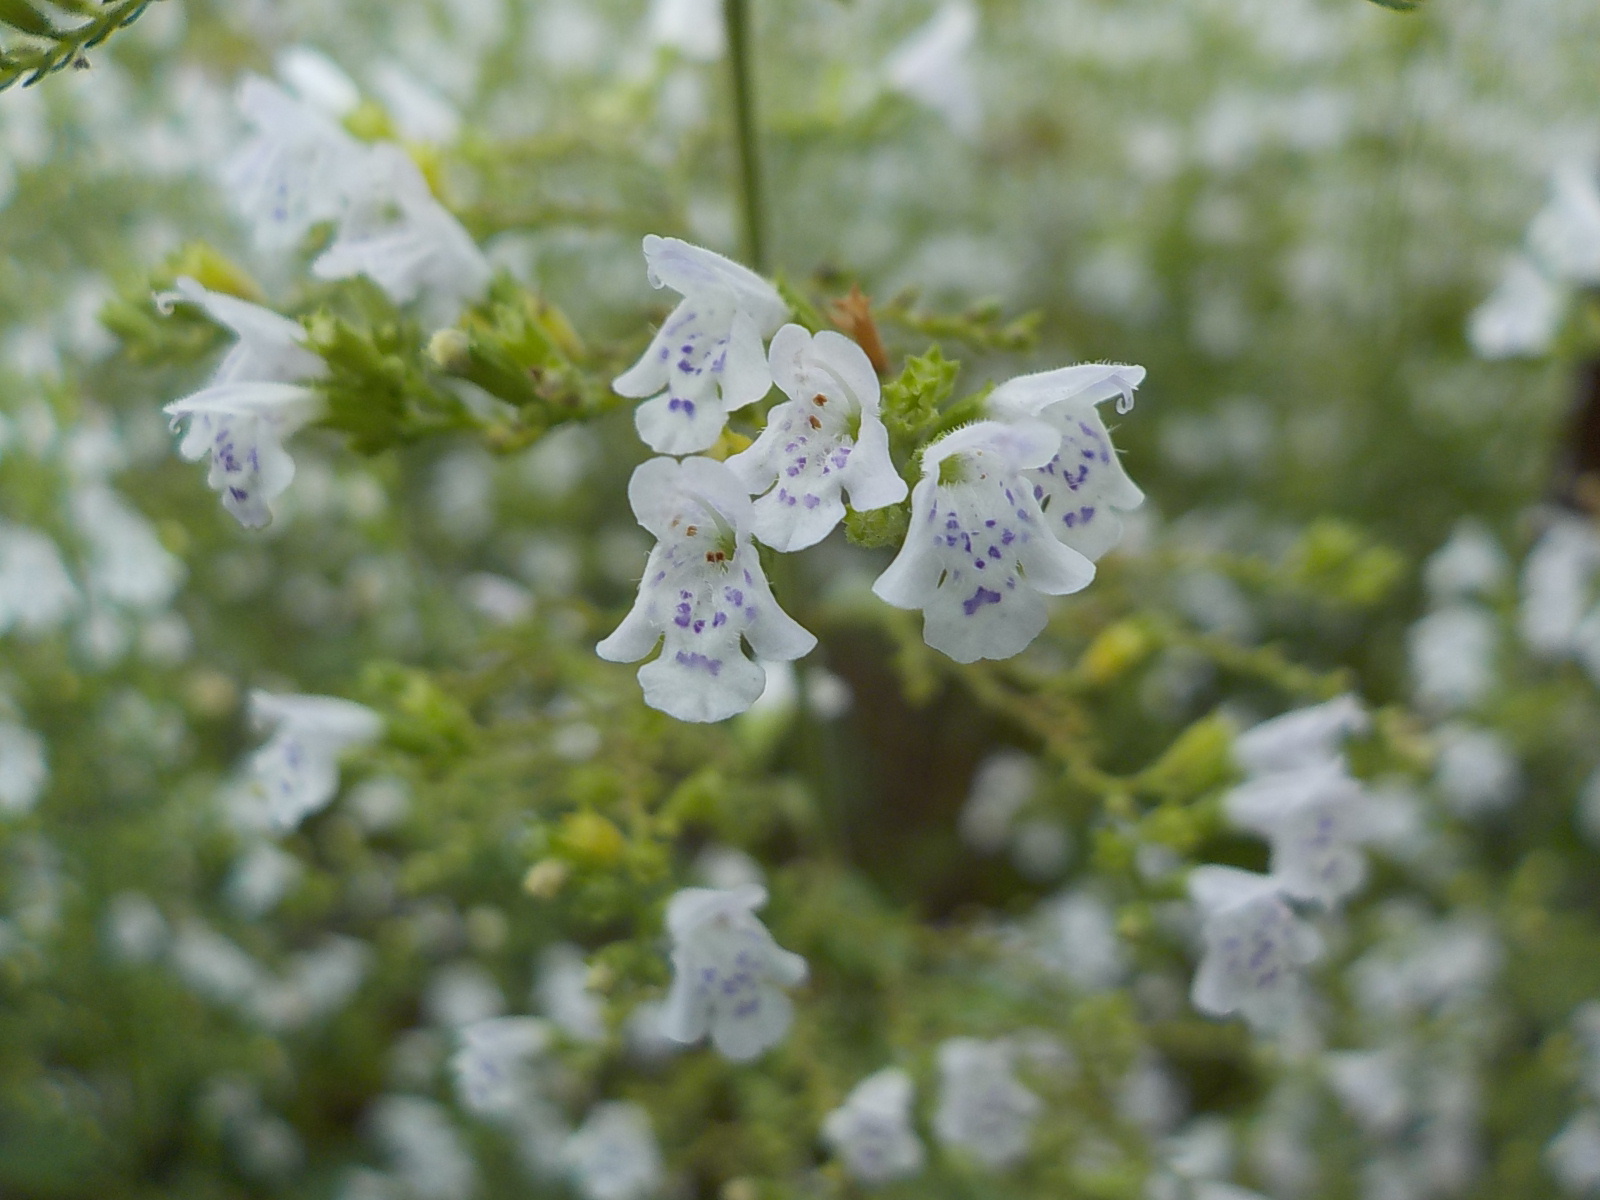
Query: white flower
1558	586
983	1110
825	439
297	771
127	564
1302	738
36	593
253	402
564	993
978	558
1371	1084
1001	787
1255	946
1083	487
931	67
300	168
703	589
1470	563
691	27
1452	656
493	1066
271	347
424	1147
871	1131
1573	1155
707	360
319	80
1316	819
24	769
1521	316
727	973
1565	236
1075	934
613	1154
405	241
1476	770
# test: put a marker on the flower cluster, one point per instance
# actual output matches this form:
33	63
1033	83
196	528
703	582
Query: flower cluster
1298	794
298	170
1010	509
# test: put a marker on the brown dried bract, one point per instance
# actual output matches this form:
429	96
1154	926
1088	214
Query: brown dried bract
852	313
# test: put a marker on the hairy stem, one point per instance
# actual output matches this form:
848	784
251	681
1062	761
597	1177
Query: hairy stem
737	15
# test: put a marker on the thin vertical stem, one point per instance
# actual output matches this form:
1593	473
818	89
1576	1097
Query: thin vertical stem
737	15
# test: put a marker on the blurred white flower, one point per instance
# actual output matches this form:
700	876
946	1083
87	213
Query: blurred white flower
134	928
1565	235
563	991
1255	947
318	983
1522	315
1371	1085
1302	738
826	438
396	233
214	966
126	562
693	28
1476	770
1002	784
318	80
260	877
703	591
24	769
36	593
298	169
1083	487
1451	652
931	66
1573	1155
1558	586
297	772
708	359
728	973
494	1063
427	1153
979	559
871	1131
613	1154
1316	819
1075	933
1471	563
983	1109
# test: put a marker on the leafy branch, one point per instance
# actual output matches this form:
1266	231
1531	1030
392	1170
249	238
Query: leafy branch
45	47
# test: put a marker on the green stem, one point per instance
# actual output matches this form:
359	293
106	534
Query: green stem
737	15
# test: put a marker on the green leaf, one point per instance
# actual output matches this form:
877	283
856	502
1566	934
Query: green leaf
19	14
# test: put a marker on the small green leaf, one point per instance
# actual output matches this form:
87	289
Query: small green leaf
19	14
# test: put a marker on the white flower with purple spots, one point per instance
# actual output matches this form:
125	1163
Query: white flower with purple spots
728	973
1303	737
1255	946
1082	489
405	241
299	168
825	439
297	772
254	401
871	1131
709	358
983	1110
1316	819
979	558
703	591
